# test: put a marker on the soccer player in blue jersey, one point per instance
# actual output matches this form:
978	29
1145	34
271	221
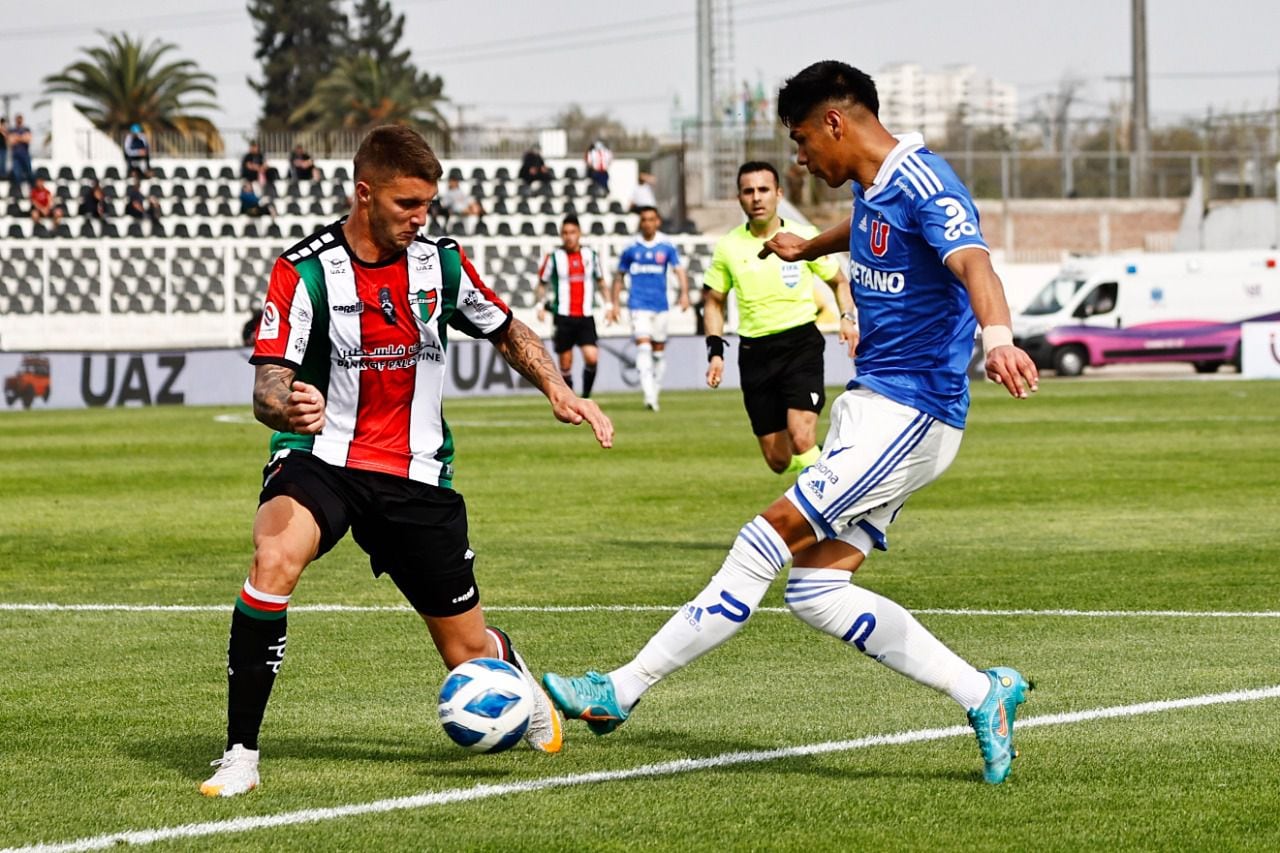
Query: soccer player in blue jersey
647	261
922	281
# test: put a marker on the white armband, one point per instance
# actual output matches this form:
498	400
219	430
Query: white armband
995	336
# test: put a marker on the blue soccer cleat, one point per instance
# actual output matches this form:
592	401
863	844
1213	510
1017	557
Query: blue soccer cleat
993	720
590	698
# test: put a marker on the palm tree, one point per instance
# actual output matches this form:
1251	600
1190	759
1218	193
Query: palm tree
360	93
127	82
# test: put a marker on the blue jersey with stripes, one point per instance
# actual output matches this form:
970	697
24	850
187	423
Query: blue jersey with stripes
917	327
647	263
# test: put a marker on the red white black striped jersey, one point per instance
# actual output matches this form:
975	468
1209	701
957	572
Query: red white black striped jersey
572	278
372	338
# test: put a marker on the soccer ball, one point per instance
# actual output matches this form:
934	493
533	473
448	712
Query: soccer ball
485	705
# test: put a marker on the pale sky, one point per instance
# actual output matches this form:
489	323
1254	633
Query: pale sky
515	62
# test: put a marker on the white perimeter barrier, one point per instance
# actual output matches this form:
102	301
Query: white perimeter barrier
225	377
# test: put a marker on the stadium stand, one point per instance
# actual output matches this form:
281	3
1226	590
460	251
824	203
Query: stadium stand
204	267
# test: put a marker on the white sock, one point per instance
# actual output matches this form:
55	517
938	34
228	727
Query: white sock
879	628
644	364
714	615
659	369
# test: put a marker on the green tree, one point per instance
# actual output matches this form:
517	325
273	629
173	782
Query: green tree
298	44
583	128
360	94
377	33
130	82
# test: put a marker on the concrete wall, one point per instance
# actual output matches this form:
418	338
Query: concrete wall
1041	230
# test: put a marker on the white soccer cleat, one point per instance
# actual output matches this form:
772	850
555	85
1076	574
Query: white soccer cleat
546	729
237	773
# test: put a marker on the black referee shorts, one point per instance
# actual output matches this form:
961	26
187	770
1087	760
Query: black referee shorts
414	532
781	372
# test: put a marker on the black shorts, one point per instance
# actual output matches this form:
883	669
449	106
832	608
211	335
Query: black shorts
414	532
781	372
573	332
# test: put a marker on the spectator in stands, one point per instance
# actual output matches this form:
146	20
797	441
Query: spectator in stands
44	205
137	153
19	138
4	148
533	167
139	206
253	166
599	158
301	166
251	204
456	201
643	196
93	201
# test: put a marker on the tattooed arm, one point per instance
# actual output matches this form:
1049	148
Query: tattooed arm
284	404
525	352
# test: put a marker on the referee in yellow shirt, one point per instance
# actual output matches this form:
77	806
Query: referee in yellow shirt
780	347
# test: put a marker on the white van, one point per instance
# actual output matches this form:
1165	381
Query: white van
1182	306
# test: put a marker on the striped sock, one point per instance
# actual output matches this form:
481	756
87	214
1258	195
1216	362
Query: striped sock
259	625
883	630
713	616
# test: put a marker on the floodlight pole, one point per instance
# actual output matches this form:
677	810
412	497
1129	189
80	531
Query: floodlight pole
1141	149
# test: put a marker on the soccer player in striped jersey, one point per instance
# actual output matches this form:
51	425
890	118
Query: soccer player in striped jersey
573	275
350	366
921	278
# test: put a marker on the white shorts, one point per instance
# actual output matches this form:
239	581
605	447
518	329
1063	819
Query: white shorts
877	453
649	324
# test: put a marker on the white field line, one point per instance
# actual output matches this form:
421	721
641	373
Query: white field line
667	768
52	607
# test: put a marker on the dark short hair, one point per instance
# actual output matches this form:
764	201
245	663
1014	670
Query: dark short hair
571	219
641	211
396	151
829	80
757	166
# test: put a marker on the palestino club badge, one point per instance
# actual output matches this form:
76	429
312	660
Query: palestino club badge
424	302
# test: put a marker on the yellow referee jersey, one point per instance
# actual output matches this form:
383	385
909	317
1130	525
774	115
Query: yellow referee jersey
773	295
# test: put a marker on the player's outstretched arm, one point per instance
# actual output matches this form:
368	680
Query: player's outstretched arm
789	247
1006	364
525	352
284	404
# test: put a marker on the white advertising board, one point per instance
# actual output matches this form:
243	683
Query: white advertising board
1260	350
59	380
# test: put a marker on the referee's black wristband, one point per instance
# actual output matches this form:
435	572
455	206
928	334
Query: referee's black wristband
715	346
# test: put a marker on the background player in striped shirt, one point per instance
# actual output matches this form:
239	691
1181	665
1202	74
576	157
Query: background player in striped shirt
573	274
919	272
350	366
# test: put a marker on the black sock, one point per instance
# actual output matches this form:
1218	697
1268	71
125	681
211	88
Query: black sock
568	378
588	379
254	655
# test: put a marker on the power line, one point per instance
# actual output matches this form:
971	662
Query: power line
203	19
584	37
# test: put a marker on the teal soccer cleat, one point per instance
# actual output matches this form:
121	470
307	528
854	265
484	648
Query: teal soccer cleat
590	698
993	722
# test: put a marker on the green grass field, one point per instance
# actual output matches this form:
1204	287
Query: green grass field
1125	508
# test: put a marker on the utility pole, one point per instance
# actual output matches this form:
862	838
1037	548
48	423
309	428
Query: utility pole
8	97
1141	149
